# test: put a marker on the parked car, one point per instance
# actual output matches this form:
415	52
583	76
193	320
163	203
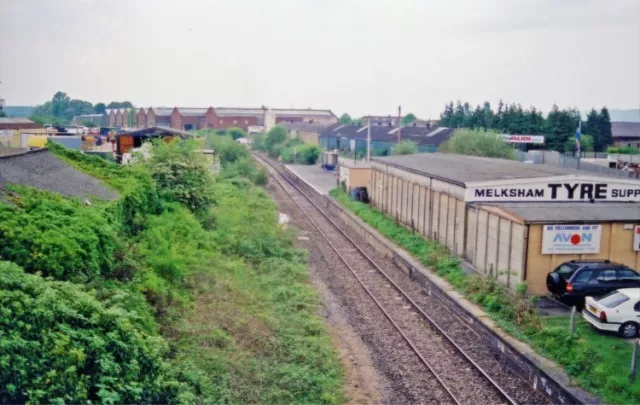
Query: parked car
572	281
618	311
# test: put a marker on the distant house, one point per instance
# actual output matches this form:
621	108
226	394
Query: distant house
127	141
7	123
626	134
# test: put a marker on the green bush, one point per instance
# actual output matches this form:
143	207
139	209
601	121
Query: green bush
623	150
246	168
476	143
236	133
405	148
274	139
60	345
228	150
586	144
56	236
180	174
257	142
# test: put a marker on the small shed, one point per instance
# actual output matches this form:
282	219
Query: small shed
354	173
126	141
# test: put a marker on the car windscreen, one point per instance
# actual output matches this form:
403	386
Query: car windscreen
613	299
566	271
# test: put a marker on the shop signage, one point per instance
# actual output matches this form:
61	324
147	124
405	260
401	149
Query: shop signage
6	132
636	239
571	239
522	138
558	189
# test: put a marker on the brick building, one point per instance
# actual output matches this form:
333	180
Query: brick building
187	118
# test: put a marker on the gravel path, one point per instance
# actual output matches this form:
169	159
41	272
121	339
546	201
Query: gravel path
399	363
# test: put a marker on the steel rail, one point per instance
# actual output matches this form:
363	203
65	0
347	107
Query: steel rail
504	394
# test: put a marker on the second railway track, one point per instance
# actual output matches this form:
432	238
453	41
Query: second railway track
463	371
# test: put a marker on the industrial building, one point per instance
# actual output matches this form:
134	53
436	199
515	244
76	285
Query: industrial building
626	134
509	219
383	137
188	118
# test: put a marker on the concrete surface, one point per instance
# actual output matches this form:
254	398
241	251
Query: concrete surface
321	180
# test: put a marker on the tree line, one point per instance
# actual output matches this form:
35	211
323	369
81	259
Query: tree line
558	127
62	108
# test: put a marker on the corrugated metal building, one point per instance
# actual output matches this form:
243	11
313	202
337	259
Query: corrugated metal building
507	218
383	137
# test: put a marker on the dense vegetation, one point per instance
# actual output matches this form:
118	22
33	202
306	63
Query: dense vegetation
405	148
597	362
183	290
62	108
476	143
279	145
626	150
557	126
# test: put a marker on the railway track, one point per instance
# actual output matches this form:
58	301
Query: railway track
464	373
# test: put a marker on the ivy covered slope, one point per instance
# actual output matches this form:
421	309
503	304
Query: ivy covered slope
183	290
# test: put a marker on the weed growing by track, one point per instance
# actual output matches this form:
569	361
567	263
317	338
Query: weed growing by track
598	363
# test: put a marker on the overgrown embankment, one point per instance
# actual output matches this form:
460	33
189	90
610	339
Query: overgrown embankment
599	363
184	290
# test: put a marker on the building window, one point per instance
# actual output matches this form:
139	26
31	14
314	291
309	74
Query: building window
235	121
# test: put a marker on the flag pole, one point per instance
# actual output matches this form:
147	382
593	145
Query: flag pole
578	139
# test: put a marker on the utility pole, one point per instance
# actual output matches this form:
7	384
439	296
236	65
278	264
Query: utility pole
399	118
368	138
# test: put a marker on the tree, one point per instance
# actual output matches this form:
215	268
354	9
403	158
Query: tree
236	133
274	139
120	104
605	137
458	116
59	104
446	118
344	119
475	143
405	148
100	108
489	116
586	144
408	119
77	107
2	113
498	117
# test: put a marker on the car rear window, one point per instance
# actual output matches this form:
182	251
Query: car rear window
613	299
628	275
584	276
566	271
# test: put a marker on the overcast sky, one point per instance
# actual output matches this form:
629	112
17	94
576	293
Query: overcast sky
356	56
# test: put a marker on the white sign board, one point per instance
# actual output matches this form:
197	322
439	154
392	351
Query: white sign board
571	239
6	132
522	138
636	239
571	189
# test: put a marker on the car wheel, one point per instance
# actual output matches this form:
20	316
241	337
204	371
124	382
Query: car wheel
628	330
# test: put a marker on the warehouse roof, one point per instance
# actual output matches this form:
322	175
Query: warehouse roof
625	129
17	120
302	112
192	111
155	132
461	169
573	212
238	112
304	126
419	135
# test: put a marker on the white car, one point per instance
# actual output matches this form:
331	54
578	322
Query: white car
618	311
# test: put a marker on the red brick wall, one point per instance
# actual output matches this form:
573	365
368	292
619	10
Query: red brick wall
112	119
163	121
176	121
190	119
141	119
118	121
240	122
151	118
210	118
288	119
